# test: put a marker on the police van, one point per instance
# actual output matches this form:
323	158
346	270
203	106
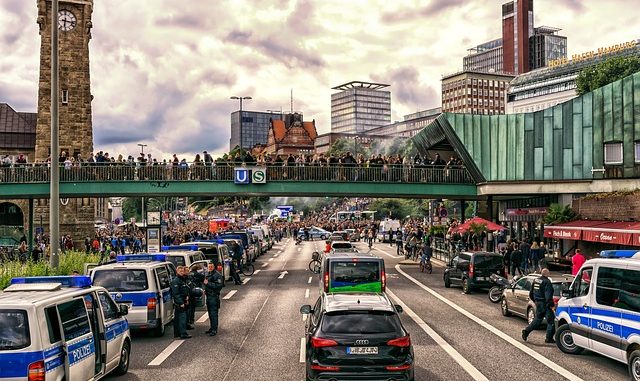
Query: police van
61	328
215	251
601	310
142	282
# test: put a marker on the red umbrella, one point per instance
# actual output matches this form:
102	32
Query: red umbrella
478	221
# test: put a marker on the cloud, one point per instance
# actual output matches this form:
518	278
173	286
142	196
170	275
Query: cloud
407	88
433	9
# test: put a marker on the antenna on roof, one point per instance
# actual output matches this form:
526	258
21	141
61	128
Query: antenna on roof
292	100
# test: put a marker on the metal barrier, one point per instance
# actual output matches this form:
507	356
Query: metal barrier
442	249
125	172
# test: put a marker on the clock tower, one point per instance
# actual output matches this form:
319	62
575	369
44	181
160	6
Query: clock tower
75	125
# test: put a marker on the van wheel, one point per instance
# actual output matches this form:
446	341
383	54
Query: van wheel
634	365
123	365
465	286
447	281
531	315
564	341
504	307
159	330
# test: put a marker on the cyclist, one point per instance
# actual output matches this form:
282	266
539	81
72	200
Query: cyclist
399	242
235	264
425	257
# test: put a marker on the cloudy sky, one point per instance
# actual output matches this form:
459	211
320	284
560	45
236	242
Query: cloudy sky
163	70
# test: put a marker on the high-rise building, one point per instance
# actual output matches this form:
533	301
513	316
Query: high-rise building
517	28
485	57
546	45
475	92
255	128
359	107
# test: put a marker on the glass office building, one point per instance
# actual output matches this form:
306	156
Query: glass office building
255	128
546	45
485	57
360	107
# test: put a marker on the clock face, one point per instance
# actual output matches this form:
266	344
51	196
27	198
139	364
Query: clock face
153	218
66	20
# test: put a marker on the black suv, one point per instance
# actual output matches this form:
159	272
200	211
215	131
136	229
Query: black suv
356	336
473	270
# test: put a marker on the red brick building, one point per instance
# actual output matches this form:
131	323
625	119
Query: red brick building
291	136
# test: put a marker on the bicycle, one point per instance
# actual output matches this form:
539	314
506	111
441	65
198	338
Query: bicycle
314	264
246	269
425	265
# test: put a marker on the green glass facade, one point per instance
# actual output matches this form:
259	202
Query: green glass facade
564	142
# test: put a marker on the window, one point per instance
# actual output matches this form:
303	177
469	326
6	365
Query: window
121	280
637	149
14	332
613	153
65	97
618	288
74	319
582	282
53	324
109	308
361	322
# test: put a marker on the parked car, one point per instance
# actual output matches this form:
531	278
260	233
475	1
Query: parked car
472	270
315	232
515	300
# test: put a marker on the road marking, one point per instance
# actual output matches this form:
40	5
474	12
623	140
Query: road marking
166	353
265	265
466	365
303	349
385	253
545	361
246	280
278	252
257	271
275	255
203	318
309	281
230	294
270	259
282	274
306	293
304	317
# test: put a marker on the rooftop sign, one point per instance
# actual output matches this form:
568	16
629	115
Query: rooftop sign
594	53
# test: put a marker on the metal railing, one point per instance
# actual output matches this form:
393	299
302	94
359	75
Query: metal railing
193	172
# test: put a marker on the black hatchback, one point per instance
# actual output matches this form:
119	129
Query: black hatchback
356	336
473	270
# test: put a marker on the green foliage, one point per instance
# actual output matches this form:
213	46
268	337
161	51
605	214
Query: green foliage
438	230
343	145
396	208
132	207
606	72
558	214
478	229
70	261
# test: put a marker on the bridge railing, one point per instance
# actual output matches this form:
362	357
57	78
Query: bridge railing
116	172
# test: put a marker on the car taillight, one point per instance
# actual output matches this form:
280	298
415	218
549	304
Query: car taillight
398	367
383	278
151	303
36	371
325	368
471	270
401	342
326	282
318	342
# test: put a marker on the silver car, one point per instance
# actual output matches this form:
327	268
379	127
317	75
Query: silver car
515	300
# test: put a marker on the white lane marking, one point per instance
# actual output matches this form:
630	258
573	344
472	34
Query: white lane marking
309	281
279	252
282	274
385	253
230	294
466	365
257	271
265	265
303	349
304	317
545	361
203	318
306	293
270	259
166	353
275	255
246	280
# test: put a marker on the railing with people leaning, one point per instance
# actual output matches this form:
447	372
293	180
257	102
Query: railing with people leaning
28	173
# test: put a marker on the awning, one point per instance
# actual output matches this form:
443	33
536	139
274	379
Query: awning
617	233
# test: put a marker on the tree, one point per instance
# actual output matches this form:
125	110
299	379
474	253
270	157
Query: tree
343	145
558	214
606	72
132	208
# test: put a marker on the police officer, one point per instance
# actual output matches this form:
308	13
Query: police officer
194	280
236	263
180	293
213	283
542	294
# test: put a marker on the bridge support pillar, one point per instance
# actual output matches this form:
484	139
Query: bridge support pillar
490	208
30	233
463	206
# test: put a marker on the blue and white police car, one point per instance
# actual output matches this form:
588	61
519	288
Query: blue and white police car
61	328
142	282
601	310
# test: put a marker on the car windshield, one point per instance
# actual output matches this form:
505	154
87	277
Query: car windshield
177	260
14	330
487	261
342	245
557	289
121	280
361	322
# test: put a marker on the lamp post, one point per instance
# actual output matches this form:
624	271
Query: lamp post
54	207
142	146
240	99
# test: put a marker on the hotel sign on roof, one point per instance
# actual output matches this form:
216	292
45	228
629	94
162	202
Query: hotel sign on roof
594	53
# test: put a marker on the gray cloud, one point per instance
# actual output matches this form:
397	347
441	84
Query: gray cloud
185	21
433	9
301	20
407	88
574	5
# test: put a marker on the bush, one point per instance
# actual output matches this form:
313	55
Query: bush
69	262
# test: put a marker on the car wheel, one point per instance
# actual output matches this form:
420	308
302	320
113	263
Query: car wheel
564	341
531	314
323	237
123	365
466	288
159	330
447	281
634	365
504	307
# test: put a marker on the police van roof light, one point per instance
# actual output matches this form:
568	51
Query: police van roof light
619	253
180	247
77	281
142	258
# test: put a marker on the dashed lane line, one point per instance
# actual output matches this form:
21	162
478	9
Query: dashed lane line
257	271
303	349
166	353
304	317
270	259
265	265
537	356
275	255
246	280
310	279
230	294
463	362
203	318
306	293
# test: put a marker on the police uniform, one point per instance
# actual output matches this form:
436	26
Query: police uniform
180	293
212	290
542	294
194	280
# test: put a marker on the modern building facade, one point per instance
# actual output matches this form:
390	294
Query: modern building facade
359	107
487	57
556	83
254	126
475	92
517	28
17	133
410	125
546	46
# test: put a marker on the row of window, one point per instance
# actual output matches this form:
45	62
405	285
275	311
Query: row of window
614	153
476	111
470	91
475	82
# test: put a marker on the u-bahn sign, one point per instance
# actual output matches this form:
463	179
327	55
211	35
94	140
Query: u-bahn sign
250	175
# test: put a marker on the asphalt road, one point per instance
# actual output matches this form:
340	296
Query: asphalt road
455	336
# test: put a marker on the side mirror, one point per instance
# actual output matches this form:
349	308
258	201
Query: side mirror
123	309
306	309
399	309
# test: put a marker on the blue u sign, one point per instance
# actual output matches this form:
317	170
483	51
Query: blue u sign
241	176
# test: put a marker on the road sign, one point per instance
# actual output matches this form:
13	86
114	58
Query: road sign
259	176
241	176
250	175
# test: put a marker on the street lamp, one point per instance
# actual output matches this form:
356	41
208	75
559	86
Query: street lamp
142	146
240	99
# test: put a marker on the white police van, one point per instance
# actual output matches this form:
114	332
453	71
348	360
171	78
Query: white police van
142	282
601	310
55	328
215	251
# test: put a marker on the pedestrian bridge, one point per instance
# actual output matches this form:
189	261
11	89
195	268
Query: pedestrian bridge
31	182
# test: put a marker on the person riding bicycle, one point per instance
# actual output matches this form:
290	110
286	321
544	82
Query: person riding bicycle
412	243
427	253
235	264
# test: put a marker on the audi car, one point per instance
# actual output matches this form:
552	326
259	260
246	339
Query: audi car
356	336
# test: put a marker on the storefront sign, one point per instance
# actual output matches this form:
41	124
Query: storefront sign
616	238
526	211
153	240
594	53
559	233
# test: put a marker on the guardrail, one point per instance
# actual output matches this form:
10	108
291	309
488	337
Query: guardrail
194	172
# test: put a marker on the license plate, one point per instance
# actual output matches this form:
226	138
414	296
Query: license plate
362	350
481	278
